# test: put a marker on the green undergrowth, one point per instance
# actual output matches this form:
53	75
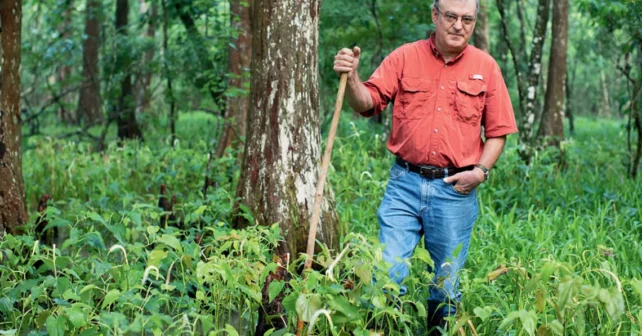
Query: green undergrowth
554	252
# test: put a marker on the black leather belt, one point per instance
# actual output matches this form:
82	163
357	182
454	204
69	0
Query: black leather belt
431	171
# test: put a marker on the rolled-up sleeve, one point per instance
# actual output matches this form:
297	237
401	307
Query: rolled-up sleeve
384	83
499	117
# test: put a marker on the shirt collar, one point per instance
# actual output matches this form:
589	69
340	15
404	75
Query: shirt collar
437	54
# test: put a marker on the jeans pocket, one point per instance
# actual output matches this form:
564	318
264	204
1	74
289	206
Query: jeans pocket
397	171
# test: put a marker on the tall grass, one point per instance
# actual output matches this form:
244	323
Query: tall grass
555	250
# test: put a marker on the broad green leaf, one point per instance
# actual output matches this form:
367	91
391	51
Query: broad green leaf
342	305
96	217
613	302
483	313
509	319
423	255
88	288
557	328
566	291
529	321
41	319
55	326
364	273
110	297
77	316
547	270
275	288
231	331
69	295
152	229
171	241
135	217
306	306
155	257
540	301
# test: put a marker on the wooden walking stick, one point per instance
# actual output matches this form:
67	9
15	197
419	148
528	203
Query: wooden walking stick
318	197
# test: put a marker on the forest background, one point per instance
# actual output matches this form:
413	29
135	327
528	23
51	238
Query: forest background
139	139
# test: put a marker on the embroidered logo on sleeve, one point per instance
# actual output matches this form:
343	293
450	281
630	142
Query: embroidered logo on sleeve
478	77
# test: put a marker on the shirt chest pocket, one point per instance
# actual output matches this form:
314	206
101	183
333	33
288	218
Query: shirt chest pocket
414	97
470	99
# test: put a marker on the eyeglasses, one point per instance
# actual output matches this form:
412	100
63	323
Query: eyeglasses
451	18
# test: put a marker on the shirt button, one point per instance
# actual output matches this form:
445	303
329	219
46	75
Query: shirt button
436	130
442	87
439	109
445	66
434	153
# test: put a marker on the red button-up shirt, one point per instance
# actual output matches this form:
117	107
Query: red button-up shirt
440	108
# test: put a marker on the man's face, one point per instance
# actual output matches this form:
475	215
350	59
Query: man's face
454	22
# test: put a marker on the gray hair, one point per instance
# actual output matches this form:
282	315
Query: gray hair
435	4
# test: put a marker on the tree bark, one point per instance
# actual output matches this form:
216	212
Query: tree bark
168	75
606	105
282	152
63	72
570	81
144	80
89	101
13	212
552	127
527	87
239	62
125	112
480	34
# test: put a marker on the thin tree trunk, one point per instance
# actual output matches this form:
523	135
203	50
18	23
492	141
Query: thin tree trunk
552	127
606	105
527	87
480	34
63	72
239	62
125	113
282	151
13	212
635	112
570	82
377	55
168	75
89	101
144	80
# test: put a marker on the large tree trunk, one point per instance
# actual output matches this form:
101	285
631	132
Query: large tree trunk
125	112
480	34
89	108
144	80
282	151
552	127
240	57
13	212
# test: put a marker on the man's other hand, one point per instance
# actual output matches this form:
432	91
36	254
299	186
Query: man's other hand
347	61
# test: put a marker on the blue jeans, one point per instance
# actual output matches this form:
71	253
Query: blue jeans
413	206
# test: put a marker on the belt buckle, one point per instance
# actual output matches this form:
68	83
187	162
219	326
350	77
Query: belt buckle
428	171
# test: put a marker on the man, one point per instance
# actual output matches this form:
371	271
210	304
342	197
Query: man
443	91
